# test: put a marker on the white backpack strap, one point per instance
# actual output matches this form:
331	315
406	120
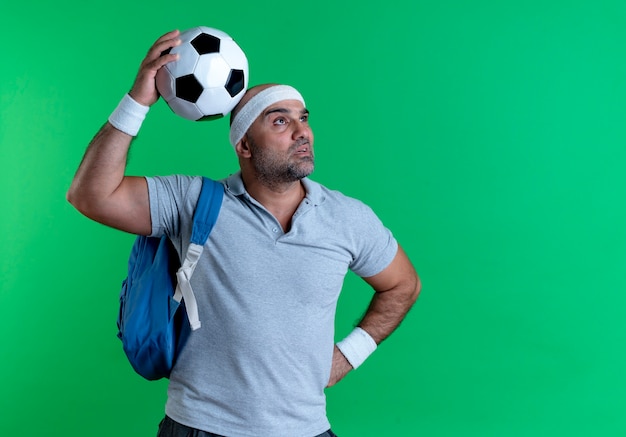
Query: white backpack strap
205	216
183	288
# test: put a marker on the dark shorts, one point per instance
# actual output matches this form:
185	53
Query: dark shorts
171	428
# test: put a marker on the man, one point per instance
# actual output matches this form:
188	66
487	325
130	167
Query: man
268	283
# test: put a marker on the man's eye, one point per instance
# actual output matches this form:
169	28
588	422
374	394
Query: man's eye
280	121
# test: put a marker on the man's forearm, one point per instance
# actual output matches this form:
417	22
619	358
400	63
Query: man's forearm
388	308
102	169
386	311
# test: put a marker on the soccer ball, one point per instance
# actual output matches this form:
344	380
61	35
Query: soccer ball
209	78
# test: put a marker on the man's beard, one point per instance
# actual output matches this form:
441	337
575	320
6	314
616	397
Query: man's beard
272	169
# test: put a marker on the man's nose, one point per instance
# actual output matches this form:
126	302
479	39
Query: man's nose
300	130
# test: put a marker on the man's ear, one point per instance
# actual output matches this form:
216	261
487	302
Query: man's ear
243	147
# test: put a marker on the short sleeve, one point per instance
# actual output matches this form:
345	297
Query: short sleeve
376	245
172	202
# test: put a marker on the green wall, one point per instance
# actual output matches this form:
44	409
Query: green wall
490	136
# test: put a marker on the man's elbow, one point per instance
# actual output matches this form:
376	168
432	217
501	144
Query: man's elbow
70	195
417	289
82	201
414	288
408	290
76	199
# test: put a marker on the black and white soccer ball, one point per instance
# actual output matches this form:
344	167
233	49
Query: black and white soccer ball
209	78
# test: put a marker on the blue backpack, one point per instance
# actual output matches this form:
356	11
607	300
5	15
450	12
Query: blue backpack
151	323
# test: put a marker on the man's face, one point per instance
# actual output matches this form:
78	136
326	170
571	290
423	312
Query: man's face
281	143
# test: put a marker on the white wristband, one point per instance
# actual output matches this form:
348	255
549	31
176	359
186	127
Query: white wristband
357	346
128	116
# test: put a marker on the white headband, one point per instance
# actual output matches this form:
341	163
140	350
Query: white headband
255	106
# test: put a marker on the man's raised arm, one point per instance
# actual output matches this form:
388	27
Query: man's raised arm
100	189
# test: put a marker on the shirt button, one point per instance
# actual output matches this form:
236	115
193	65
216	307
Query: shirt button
275	230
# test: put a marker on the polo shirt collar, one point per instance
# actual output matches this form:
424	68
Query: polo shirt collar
314	192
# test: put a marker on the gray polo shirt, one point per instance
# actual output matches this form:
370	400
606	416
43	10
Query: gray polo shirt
260	362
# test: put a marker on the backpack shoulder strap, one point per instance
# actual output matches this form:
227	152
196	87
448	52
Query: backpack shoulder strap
204	217
207	210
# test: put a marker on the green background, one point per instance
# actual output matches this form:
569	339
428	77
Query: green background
490	136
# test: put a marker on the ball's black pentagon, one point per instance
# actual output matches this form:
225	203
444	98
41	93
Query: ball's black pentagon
188	88
210	117
235	82
205	44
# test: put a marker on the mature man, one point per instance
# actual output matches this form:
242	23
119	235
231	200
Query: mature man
268	283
